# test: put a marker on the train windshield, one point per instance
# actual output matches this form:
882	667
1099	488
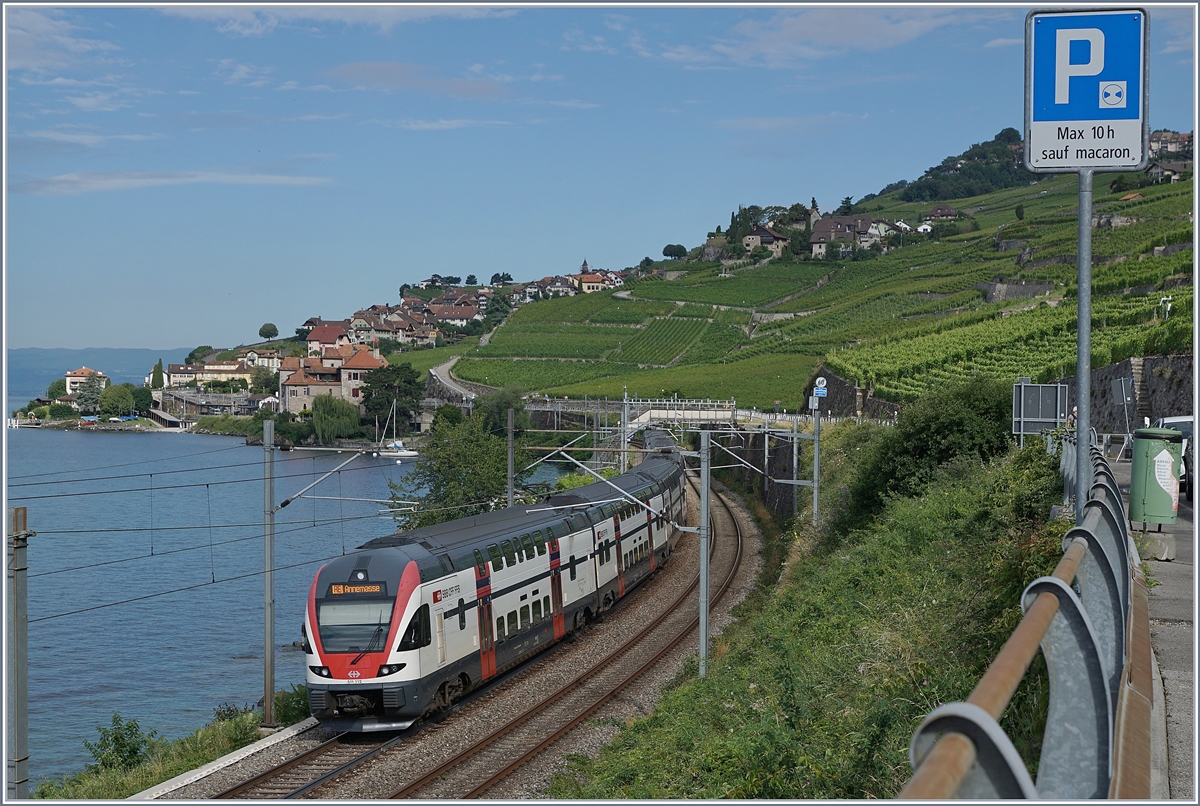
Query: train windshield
360	625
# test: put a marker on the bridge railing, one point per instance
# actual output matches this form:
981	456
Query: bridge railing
1090	618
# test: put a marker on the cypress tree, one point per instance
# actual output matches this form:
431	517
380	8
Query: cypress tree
156	377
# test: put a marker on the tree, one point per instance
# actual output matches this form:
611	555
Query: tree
334	418
462	471
447	415
156	377
57	388
394	382
1020	212
121	747
505	277
847	206
675	251
268	331
87	394
645	263
61	411
302	332
263	378
494	407
116	400
813	204
448	280
472	280
198	353
495	279
143	399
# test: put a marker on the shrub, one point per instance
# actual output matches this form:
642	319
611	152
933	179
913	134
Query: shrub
121	746
964	420
291	705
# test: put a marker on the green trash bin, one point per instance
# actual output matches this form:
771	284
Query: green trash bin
1154	481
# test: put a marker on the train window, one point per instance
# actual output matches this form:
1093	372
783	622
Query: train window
499	629
546	605
539	541
417	633
524	616
497	560
537	610
509	554
572	571
462	614
480	563
512	622
530	551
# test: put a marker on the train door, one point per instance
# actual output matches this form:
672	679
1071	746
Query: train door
439	621
487	639
619	553
558	618
650	540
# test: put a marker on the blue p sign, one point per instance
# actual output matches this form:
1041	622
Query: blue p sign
1085	90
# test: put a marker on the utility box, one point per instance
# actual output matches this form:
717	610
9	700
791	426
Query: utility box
1154	480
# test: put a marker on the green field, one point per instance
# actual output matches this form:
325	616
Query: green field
897	323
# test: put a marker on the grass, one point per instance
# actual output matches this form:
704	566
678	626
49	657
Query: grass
424	360
232	729
816	694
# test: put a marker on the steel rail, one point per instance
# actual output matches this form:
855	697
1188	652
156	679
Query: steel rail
529	714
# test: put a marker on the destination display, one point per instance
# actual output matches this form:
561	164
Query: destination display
370	588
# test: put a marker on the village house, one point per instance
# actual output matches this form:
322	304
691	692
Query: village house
76	378
763	236
324	336
849	231
256	357
1168	171
339	371
1170	142
181	374
941	212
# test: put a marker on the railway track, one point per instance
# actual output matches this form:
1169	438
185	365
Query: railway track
472	772
302	773
475	770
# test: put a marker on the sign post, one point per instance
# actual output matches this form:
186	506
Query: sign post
1086	109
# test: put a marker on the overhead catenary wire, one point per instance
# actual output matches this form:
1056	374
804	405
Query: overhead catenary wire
130	464
134	475
193	485
301	526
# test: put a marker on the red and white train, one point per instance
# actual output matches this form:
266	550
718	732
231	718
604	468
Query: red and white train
413	621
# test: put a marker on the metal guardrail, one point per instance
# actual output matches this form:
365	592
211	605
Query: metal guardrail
1090	618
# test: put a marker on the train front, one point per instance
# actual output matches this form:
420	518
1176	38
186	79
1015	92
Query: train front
363	671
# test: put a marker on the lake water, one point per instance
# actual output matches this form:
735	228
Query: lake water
146	574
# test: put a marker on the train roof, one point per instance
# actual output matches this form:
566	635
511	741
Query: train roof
446	537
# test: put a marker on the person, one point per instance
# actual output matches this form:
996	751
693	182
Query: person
1072	417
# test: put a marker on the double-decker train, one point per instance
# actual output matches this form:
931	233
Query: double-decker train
414	620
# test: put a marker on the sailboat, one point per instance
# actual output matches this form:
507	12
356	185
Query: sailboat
394	448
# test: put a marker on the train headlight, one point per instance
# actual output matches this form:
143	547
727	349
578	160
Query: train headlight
320	671
390	668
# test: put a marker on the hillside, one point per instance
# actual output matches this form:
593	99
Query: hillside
991	294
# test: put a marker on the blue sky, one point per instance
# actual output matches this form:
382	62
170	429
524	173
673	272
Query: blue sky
179	176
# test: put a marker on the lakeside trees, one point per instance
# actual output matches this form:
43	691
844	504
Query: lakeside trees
399	383
462	470
334	418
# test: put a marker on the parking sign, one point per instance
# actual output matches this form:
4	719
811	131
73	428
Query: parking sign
1086	99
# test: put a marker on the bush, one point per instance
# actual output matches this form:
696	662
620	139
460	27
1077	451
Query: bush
291	705
121	746
971	419
62	411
